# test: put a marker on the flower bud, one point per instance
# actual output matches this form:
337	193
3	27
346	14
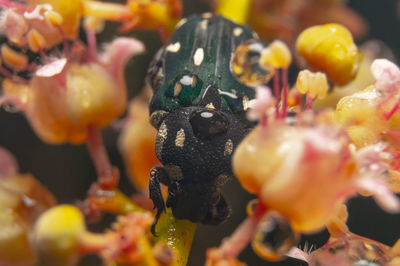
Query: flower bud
330	48
57	235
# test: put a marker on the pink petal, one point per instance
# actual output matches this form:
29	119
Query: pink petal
387	76
117	53
383	196
259	105
8	164
14	25
38	12
52	69
298	254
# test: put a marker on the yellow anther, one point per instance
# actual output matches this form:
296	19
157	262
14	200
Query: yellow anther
277	55
15	26
71	12
36	41
53	18
315	84
330	48
14	59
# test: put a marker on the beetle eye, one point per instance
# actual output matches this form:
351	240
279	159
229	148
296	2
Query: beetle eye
185	88
207	124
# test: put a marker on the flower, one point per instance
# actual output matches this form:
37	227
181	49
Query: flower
308	160
262	104
67	95
387	76
22	200
137	142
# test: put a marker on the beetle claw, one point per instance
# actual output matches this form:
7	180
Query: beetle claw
157	175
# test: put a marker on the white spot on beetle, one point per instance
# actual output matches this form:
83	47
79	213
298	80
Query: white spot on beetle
198	56
180	138
228	147
180	23
177	89
231	95
173	47
255	35
207	15
245	103
204	24
161	137
237	31
205	92
194	82
186	80
210	106
206	115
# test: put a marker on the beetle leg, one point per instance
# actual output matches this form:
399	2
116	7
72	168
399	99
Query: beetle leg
157	175
218	213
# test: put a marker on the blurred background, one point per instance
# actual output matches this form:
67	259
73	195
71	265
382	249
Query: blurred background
68	172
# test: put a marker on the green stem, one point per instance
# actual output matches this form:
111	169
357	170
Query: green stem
113	201
177	234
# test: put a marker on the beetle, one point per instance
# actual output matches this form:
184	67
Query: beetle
199	109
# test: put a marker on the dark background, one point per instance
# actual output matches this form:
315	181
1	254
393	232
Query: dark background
68	171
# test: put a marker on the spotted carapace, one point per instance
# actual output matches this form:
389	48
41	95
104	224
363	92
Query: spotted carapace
199	109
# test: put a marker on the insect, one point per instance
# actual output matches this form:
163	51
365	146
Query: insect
199	109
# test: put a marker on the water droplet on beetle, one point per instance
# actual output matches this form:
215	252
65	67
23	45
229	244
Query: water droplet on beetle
245	64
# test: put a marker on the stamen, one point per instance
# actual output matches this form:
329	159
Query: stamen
387	116
285	92
277	91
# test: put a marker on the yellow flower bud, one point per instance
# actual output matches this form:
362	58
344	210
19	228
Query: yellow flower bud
22	199
330	48
14	243
57	235
277	54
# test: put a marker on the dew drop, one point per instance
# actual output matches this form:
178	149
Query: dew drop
251	206
245	64
274	237
10	108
